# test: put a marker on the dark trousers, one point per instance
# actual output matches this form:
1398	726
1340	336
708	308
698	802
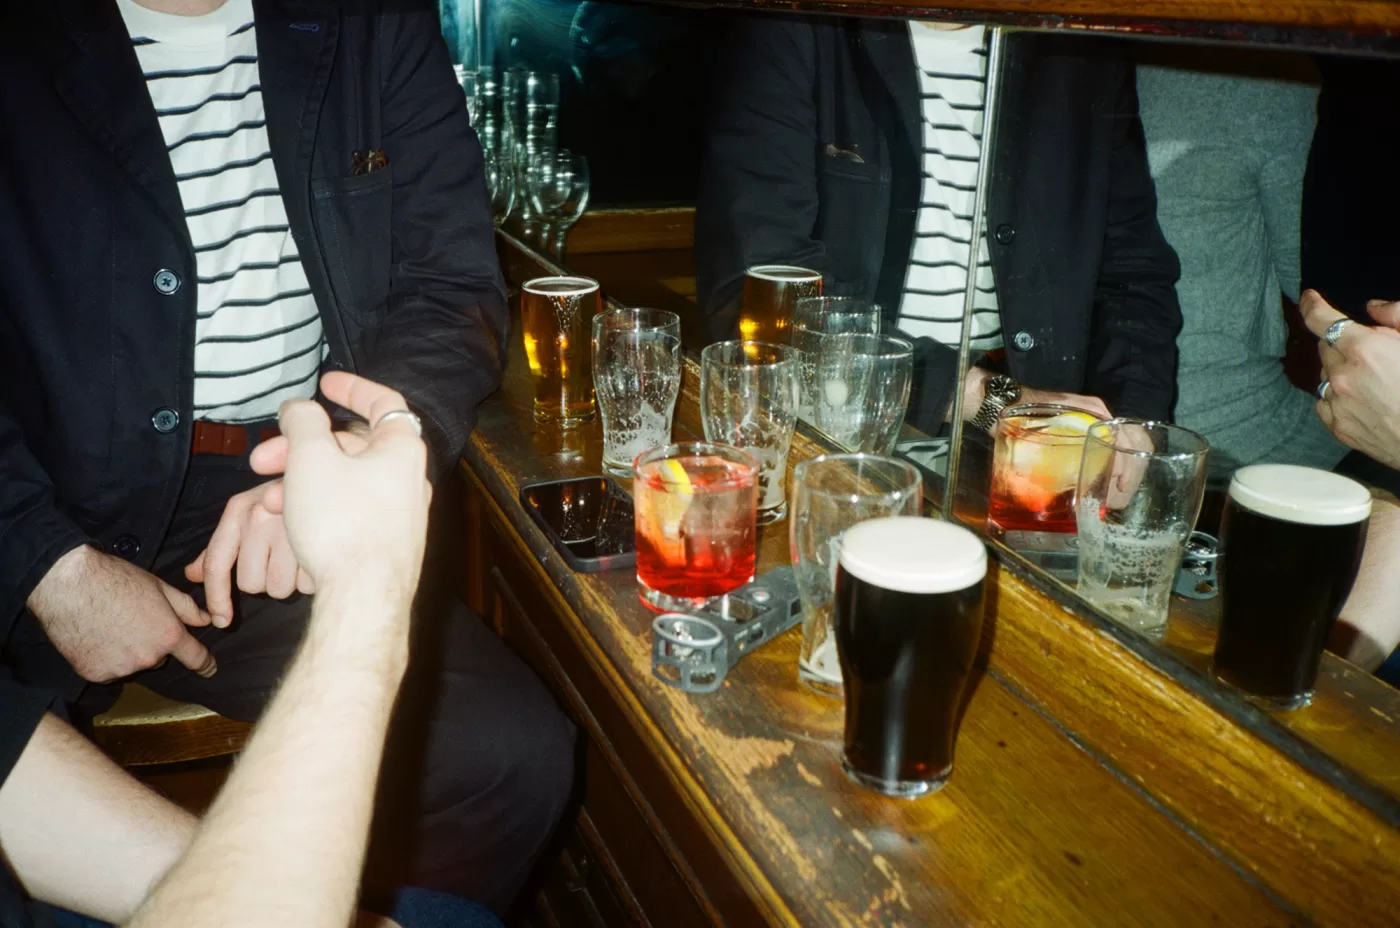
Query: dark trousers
479	760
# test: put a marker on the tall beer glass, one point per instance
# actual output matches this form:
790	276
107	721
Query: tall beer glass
1140	490
771	292
831	493
557	313
908	622
637	374
1290	545
748	399
815	316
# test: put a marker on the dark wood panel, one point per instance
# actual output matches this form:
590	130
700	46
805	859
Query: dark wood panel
643	229
1091	788
1361	25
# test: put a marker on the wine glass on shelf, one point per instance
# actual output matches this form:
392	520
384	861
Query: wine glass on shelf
558	186
499	170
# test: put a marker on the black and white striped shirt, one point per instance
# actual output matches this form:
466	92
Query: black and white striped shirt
952	67
258	338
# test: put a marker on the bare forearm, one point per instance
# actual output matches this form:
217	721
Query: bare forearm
285	841
80	832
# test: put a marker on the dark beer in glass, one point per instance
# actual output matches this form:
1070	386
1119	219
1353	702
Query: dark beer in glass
1290	545
908	618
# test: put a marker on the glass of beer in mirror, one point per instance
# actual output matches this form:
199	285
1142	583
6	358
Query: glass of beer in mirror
557	315
1290	545
908	622
831	493
771	292
1140	490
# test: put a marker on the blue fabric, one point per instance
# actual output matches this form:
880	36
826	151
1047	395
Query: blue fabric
412	908
1389	672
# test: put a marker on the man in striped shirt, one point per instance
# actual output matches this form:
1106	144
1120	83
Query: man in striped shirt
851	147
208	203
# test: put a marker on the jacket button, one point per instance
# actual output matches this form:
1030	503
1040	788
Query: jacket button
126	546
166	281
165	420
1025	341
1005	233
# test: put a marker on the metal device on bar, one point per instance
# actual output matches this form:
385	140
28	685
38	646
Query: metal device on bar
694	652
1196	579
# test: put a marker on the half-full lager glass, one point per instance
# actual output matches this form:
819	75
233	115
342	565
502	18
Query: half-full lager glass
557	313
1290	546
771	292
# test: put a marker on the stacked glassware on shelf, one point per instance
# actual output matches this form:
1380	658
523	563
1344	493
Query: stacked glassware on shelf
530	178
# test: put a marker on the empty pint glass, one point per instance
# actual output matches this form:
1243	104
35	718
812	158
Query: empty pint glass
1290	545
557	313
830	494
637	375
908	623
1140	491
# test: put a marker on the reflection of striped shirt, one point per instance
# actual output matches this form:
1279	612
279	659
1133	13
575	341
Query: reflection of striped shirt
952	67
258	336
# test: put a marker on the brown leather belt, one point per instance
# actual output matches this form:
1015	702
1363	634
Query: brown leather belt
228	440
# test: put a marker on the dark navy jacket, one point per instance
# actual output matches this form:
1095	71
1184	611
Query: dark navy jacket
96	362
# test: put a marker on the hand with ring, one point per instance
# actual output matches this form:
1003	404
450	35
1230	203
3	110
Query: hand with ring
1359	396
354	521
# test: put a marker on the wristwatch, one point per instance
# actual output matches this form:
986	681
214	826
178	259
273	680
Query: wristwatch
1001	392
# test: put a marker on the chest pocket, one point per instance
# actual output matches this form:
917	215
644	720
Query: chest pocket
854	202
353	217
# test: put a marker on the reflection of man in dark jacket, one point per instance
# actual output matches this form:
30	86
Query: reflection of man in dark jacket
163	285
817	155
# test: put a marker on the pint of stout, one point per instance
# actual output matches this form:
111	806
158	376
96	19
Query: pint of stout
771	292
1290	545
557	315
908	618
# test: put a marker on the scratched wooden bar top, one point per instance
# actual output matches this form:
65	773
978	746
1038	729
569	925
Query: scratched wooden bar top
1088	789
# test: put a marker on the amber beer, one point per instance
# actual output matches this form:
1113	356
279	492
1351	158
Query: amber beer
771	292
908	617
1290	544
557	315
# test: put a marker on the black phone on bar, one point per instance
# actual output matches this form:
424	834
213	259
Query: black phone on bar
588	520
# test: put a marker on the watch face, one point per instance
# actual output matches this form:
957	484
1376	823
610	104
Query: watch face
1004	388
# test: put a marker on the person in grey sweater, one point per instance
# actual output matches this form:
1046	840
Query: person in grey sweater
1228	134
1227	143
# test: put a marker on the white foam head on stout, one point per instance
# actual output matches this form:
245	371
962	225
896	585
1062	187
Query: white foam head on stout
909	554
1303	495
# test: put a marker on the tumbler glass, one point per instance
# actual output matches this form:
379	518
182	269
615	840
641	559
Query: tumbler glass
830	494
1141	484
748	398
860	390
771	292
637	377
695	524
815	316
557	313
1035	469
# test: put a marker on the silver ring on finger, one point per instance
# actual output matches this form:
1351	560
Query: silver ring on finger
404	414
1335	330
1322	389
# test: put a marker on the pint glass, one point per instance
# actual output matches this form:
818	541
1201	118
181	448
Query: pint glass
908	623
1290	546
556	313
771	292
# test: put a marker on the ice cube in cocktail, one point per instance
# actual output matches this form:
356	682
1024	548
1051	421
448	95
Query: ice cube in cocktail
1035	468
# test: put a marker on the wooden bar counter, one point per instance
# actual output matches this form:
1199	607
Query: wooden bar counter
1089	788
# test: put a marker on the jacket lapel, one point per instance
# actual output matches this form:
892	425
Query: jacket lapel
885	50
296	46
101	82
